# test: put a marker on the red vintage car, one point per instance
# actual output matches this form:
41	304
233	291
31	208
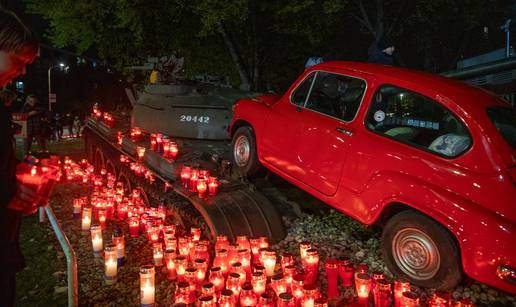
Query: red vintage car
429	159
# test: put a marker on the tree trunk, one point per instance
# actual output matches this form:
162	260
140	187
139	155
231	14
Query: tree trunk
244	76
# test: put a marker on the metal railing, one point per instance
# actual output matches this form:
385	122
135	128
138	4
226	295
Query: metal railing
71	259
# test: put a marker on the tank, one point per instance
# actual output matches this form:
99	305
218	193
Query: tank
196	111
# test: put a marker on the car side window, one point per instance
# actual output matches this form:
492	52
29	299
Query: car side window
419	121
336	95
300	94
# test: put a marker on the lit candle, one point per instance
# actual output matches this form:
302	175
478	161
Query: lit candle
96	239
192	185
226	298
346	272
382	293
286	300
185	175
259	282
297	286
170	243
170	255
311	265
201	187
254	243
286	260
363	287
440	298
278	284
234	283
119	137
181	265
400	286
269	261
213	186
191	277
207	301
147	286
208	289
134	227
173	150
77	207
217	278
110	262
221	242
183	246
140	151
201	266
289	271
247	296
157	254
266	299
303	247
102	217
86	219
409	299
196	233
332	267
221	260
321	302
310	294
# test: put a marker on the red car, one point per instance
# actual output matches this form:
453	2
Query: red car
431	160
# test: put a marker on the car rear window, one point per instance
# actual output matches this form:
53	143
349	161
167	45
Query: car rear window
504	120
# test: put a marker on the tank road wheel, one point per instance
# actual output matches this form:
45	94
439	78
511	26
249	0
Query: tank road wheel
244	157
418	248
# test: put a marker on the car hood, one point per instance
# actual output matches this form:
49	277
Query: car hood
268	100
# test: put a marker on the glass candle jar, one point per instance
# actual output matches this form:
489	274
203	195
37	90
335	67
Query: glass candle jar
157	254
286	300
278	284
86	219
208	289
222	242
310	294
303	247
147	286
400	286
134	227
311	266
286	260
221	260
247	296
409	299
332	272
346	272
213	186
119	242
96	239
259	282
169	257
201	266
217	278
363	287
233	283
181	266
226	298
269	261
110	264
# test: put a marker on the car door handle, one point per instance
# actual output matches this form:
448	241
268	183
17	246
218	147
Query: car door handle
346	132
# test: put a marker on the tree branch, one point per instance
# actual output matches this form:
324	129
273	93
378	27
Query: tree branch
379	19
244	76
397	18
365	18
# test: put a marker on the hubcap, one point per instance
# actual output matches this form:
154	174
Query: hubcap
242	151
416	254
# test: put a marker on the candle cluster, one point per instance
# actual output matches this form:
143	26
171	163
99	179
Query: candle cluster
164	146
246	272
108	119
199	181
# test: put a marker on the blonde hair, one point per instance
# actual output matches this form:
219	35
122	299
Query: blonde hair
14	35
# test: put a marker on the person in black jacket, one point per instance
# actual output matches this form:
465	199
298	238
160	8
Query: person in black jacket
37	123
381	52
18	47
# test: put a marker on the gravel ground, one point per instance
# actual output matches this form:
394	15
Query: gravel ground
333	234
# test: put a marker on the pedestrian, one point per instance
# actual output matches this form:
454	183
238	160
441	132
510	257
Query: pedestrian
58	127
68	123
381	52
76	126
18	48
37	123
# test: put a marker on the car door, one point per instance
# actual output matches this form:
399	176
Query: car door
283	127
327	130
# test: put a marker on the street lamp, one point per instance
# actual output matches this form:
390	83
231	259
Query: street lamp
52	98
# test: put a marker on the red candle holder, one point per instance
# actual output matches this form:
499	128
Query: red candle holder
136	134
201	187
278	284
185	175
221	260
217	278
119	137
153	142
208	289
170	264
332	273
311	266
226	298
346	272
382	293
201	266
310	294
134	227
400	286
297	287
184	294
247	296
234	283
181	266
286	260
259	282
286	300
363	287
173	150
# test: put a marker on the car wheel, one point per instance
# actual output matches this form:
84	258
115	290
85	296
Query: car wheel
418	248
244	156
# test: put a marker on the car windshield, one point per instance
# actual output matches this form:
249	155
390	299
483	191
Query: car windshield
504	120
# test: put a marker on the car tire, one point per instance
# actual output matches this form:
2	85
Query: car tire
243	152
416	247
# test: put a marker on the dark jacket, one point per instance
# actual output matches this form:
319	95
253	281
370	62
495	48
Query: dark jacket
36	124
377	56
10	220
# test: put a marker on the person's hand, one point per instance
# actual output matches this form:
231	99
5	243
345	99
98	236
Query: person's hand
26	200
32	113
28	195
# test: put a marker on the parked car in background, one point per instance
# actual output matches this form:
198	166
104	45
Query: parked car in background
431	160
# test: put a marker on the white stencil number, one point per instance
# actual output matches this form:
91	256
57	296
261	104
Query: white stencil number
195	119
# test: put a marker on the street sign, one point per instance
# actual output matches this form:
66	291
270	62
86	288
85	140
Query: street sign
52	98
